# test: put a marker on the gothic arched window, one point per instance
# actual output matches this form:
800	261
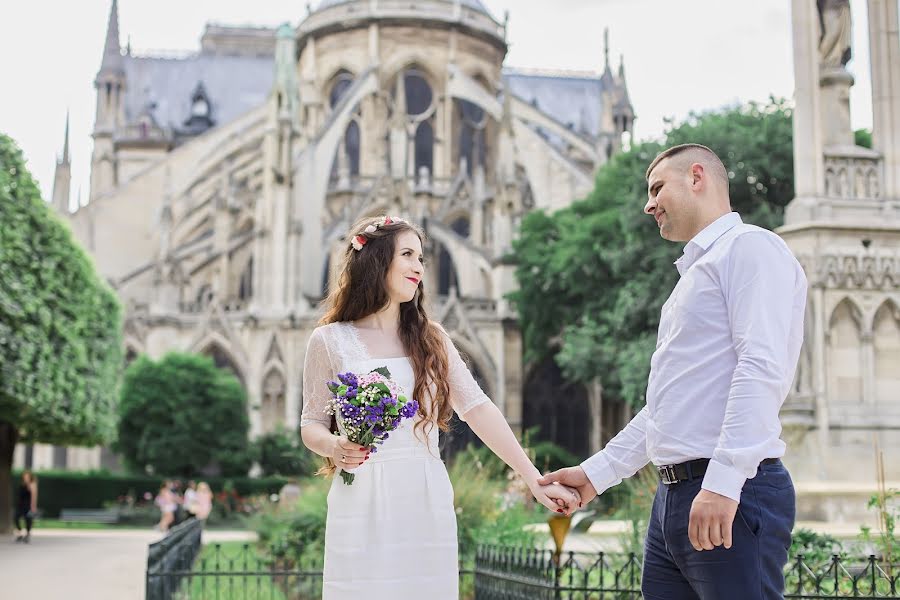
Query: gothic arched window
473	121
245	286
424	148
351	147
346	162
447	276
411	136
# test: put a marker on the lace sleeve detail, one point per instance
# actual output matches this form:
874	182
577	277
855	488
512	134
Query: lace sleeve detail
318	370
465	393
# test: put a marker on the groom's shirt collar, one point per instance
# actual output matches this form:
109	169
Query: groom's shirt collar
702	242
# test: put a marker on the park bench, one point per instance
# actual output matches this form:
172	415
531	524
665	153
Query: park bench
89	515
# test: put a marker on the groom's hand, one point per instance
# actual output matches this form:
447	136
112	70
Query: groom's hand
574	477
711	518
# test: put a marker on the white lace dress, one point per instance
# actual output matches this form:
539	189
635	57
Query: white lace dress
392	534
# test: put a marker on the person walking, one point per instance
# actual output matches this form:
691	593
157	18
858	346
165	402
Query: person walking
26	506
728	344
167	503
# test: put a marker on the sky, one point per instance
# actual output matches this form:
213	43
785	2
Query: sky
689	55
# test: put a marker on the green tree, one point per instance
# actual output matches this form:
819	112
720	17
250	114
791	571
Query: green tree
280	453
60	329
593	276
181	415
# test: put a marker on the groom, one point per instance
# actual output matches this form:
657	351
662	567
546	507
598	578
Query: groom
729	338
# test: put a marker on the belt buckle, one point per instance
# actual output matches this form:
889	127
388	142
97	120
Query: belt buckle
667	474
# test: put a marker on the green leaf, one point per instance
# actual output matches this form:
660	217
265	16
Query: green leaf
382	371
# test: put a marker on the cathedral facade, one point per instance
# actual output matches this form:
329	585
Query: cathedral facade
223	184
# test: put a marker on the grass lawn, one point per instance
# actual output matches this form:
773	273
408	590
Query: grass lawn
236	571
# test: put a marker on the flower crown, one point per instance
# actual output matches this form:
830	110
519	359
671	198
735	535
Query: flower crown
360	240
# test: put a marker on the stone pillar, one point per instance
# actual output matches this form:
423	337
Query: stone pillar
19	457
835	94
819	392
511	367
809	179
42	458
292	405
868	367
884	48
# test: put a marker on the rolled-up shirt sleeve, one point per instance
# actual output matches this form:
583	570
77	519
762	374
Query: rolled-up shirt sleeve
761	284
622	457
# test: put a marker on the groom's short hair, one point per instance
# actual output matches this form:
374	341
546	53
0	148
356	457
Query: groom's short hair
687	154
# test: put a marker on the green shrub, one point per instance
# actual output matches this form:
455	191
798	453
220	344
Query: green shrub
296	536
98	489
281	453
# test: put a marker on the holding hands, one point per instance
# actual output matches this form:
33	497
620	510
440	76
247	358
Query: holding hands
559	498
575	478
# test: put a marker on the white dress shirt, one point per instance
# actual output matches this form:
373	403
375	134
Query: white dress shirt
728	343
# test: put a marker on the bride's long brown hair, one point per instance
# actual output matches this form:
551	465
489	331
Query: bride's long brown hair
361	290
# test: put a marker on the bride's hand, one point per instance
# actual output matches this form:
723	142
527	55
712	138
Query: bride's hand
347	455
556	497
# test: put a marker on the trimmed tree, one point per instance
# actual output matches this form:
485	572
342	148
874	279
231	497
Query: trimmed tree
60	329
182	416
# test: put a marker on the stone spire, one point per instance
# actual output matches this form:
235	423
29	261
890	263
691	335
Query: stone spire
285	86
606	48
112	52
65	154
62	179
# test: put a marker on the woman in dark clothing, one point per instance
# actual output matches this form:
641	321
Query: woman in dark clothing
26	506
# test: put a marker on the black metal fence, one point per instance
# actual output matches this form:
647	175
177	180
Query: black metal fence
503	573
171	558
842	578
493	573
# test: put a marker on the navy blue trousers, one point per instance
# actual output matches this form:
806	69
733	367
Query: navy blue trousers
751	569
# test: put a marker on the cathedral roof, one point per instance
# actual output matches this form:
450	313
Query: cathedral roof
571	98
234	85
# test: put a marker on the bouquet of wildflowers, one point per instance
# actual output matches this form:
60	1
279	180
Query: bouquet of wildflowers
368	407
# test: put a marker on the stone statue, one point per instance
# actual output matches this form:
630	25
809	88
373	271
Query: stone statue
836	32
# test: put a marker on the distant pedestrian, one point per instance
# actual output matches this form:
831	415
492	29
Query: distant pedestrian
167	504
190	501
203	501
26	506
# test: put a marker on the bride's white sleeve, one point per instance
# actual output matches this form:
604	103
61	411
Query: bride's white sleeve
318	370
465	393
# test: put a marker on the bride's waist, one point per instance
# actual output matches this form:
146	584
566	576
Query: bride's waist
403	453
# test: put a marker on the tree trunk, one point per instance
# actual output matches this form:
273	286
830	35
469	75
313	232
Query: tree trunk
8	438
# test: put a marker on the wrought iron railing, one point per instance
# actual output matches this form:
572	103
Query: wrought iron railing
504	573
171	558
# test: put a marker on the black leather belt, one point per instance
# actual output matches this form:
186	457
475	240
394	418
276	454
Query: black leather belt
692	469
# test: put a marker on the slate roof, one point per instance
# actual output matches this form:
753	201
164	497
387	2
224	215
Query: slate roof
234	84
572	99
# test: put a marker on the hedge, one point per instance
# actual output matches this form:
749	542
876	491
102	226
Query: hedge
58	490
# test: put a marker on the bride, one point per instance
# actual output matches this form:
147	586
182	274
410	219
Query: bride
392	533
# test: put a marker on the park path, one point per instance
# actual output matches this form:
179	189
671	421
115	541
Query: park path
73	564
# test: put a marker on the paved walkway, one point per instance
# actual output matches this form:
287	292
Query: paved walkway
76	564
